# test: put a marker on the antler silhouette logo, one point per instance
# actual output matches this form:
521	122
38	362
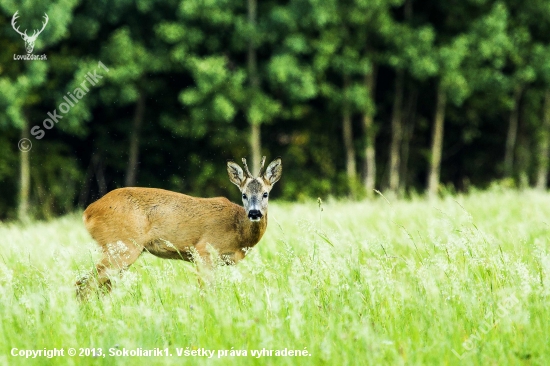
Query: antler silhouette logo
29	40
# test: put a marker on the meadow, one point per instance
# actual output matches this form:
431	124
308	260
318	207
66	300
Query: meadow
461	280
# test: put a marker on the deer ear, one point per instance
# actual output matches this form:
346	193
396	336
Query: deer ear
236	175
274	171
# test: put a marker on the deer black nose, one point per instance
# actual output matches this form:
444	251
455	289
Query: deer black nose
254	214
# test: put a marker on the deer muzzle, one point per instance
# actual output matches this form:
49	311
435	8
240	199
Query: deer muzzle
254	215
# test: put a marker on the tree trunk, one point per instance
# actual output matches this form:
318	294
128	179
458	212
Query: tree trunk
409	117
131	169
369	166
255	128
511	138
397	132
44	200
347	134
84	192
437	142
544	147
408	10
255	147
100	177
523	154
25	174
348	143
408	131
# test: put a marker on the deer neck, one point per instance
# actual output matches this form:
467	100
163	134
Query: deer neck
252	231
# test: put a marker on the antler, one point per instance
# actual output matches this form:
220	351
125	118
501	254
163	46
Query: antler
43	25
15	16
246	169
262	167
34	34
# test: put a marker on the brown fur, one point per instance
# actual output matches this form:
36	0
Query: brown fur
128	221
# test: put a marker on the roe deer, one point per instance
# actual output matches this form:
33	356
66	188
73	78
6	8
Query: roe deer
127	221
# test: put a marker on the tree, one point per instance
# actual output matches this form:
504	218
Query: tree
437	140
369	130
344	57
255	129
466	64
544	145
411	53
522	74
451	81
397	131
130	77
541	58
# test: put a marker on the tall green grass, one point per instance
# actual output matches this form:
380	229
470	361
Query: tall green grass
462	280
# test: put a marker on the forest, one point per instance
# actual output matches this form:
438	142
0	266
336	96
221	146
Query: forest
399	96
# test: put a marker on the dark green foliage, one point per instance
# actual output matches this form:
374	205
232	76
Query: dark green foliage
187	60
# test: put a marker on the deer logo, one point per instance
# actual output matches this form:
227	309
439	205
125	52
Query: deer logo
29	40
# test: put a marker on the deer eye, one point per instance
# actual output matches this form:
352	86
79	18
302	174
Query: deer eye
265	195
244	196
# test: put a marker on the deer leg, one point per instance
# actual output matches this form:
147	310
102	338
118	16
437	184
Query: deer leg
116	257
204	264
204	271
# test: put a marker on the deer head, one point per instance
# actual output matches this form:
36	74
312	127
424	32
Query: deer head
255	190
29	40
